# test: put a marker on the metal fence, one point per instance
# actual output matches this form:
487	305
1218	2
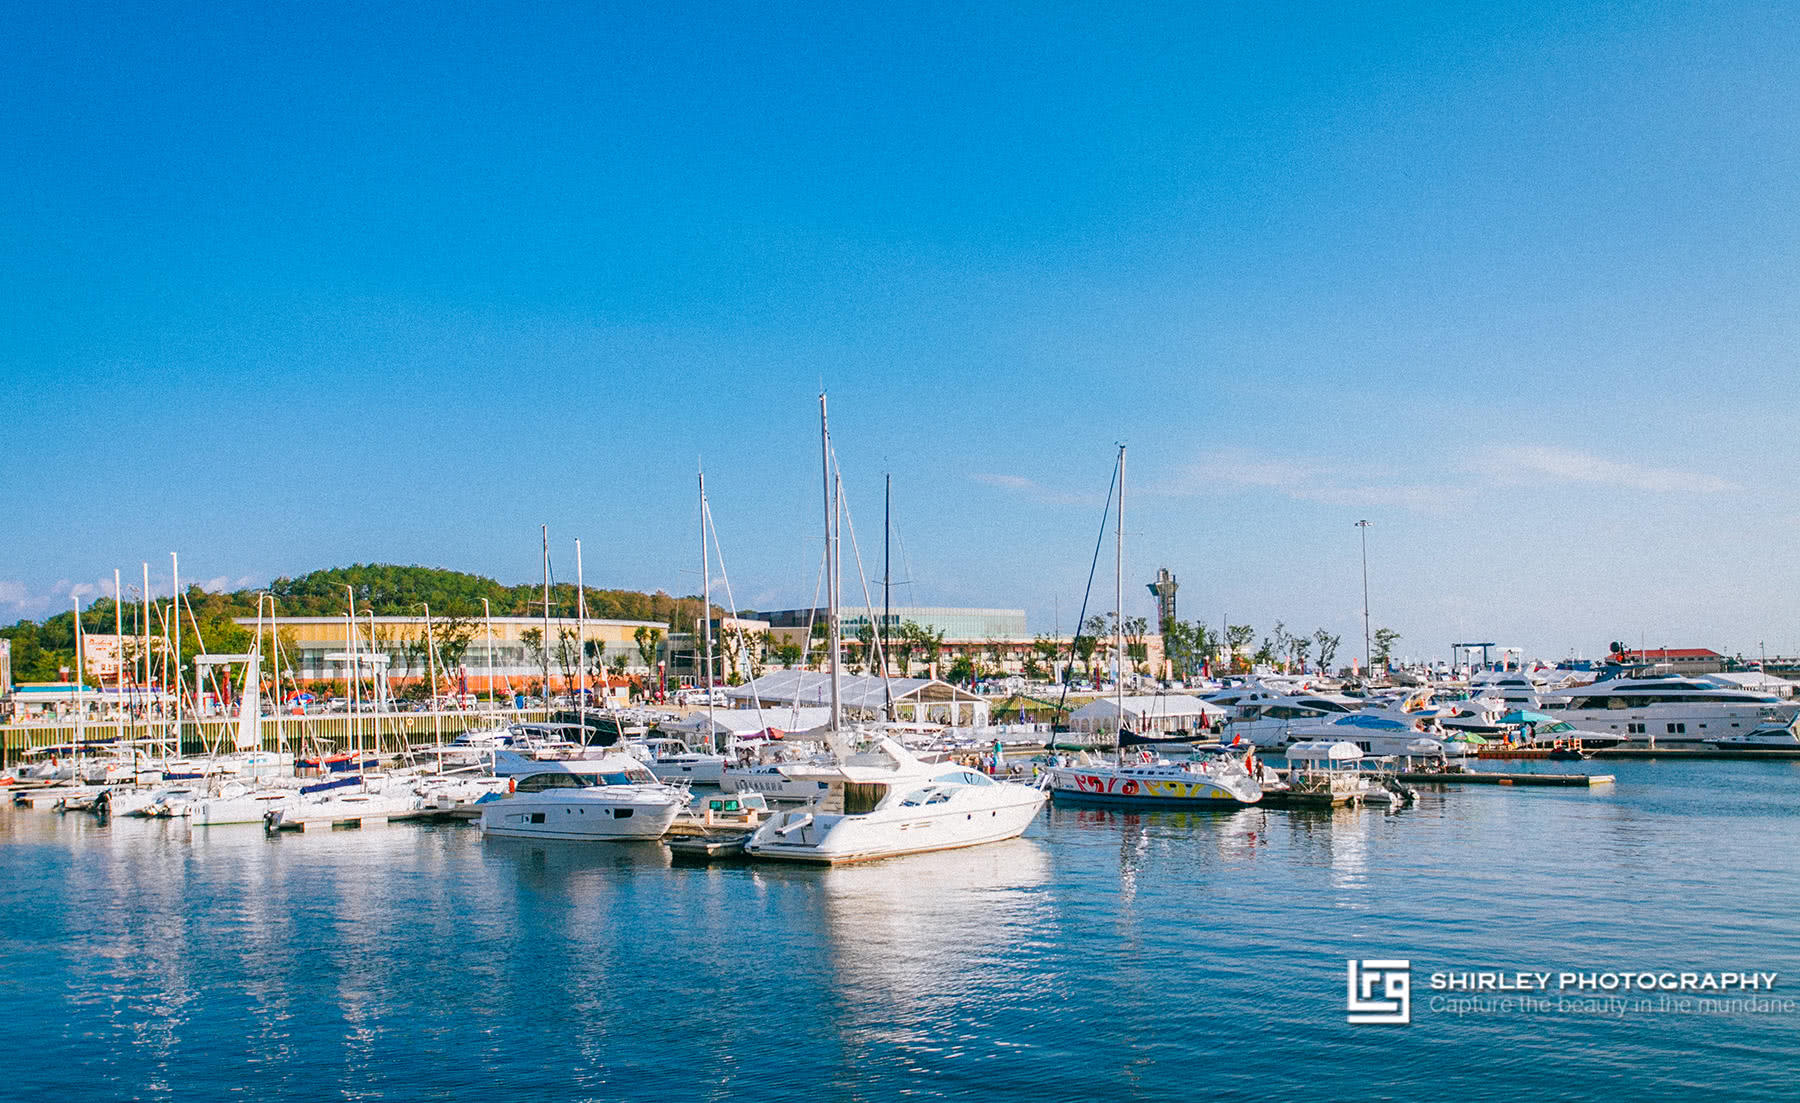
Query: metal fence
385	733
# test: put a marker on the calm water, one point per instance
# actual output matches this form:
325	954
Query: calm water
1164	956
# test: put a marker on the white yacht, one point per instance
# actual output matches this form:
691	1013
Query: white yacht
884	802
1667	709
674	760
608	798
772	781
1775	736
1514	687
1377	734
1268	721
1218	779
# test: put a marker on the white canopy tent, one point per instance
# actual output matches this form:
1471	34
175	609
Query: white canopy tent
1163	713
1753	680
748	723
916	700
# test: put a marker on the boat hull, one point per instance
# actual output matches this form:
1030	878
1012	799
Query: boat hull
1075	785
847	839
578	820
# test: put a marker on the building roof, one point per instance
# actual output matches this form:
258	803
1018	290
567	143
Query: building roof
1656	653
751	721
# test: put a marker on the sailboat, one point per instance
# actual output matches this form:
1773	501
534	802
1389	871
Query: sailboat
1221	777
883	802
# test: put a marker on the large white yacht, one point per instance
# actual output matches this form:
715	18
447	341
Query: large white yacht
884	802
1268	721
1514	687
1374	733
673	760
1667	709
608	798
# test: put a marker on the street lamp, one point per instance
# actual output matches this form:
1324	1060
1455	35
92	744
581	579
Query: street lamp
1368	649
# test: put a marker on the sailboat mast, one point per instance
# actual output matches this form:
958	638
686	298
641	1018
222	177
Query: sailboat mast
175	682
545	650
487	618
119	642
350	672
1119	597
144	686
437	708
887	569
80	686
581	643
831	566
712	731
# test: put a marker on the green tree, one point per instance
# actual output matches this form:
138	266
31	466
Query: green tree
962	670
1237	638
1385	638
1328	645
647	640
1137	646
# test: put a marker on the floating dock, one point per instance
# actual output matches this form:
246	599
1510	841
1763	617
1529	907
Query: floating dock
1483	777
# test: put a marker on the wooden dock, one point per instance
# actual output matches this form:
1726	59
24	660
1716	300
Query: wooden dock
1483	777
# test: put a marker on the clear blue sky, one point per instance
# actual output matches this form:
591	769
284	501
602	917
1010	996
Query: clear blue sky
285	288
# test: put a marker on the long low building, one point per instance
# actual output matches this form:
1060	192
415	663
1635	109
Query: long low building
511	658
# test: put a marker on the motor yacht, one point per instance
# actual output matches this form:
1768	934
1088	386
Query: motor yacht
1775	736
672	760
1269	721
1376	734
617	798
1671	710
885	802
1214	776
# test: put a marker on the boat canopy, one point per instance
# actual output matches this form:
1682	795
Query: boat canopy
1322	750
1526	716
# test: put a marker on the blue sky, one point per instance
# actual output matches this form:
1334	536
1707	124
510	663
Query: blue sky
298	288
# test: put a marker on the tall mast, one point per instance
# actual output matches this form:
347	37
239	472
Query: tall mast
581	643
887	570
80	686
119	642
175	608
712	730
1119	598
487	617
831	583
545	650
144	686
437	714
350	672
274	666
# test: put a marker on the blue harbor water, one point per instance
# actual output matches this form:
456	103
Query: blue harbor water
1104	956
